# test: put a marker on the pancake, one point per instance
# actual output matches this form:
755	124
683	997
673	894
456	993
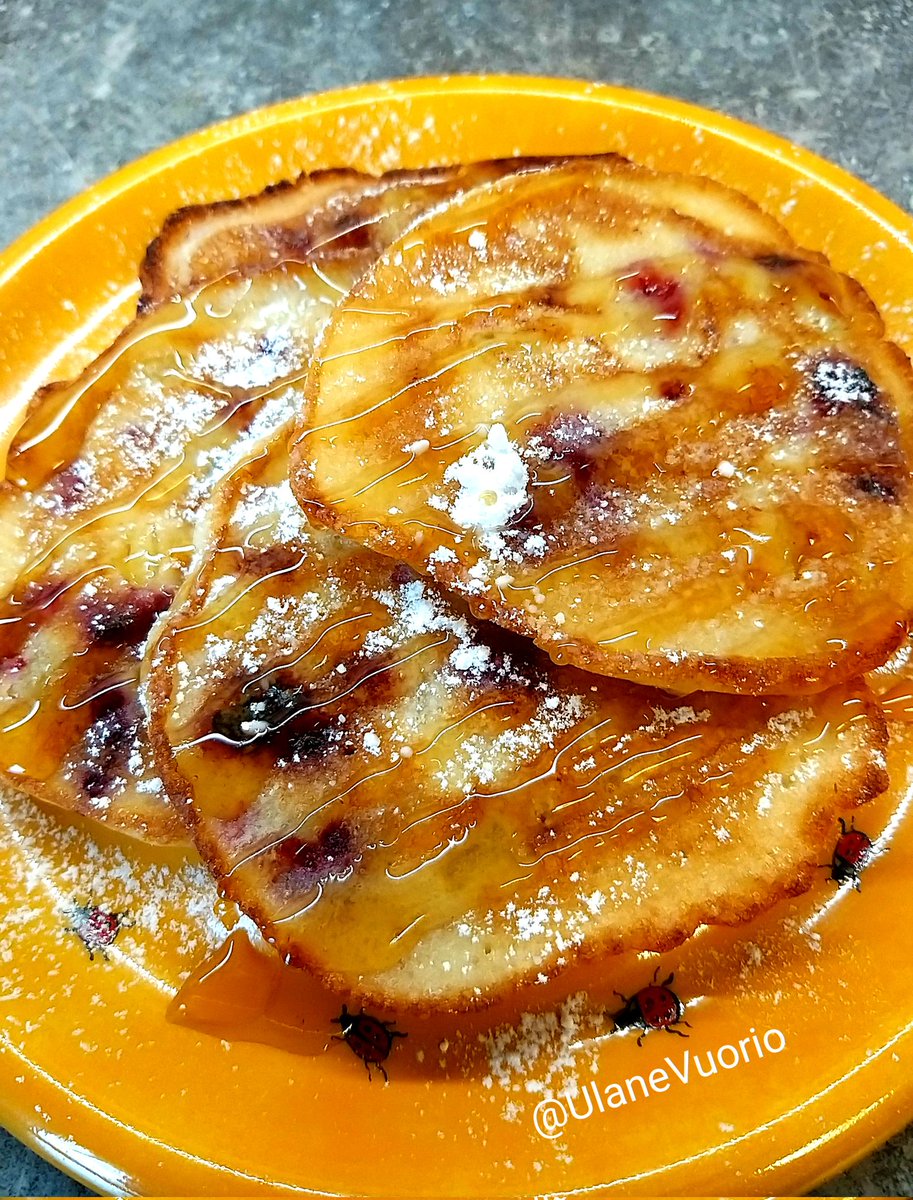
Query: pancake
425	811
892	684
106	490
109	477
332	212
623	414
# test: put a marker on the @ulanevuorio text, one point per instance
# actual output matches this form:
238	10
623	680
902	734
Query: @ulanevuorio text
552	1114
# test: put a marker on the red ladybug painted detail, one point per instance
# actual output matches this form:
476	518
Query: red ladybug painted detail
95	928
851	854
367	1037
653	1007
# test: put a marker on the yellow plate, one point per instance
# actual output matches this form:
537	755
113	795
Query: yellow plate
93	1076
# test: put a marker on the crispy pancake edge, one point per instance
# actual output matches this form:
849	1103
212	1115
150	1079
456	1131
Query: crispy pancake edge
738	674
163	274
163	286
867	780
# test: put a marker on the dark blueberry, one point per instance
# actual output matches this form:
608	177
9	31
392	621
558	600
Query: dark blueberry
272	560
330	855
513	661
674	389
292	245
42	595
348	232
572	438
402	573
340	234
878	488
108	741
313	739
69	487
94	781
839	384
123	618
281	719
257	718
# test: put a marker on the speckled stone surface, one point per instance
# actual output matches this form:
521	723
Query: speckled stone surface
88	85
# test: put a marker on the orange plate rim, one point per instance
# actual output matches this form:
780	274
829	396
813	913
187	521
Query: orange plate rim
853	1143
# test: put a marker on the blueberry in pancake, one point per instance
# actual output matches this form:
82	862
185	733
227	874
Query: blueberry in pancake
106	490
426	811
333	214
109	477
623	414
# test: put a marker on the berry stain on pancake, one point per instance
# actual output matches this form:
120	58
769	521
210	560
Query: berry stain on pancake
624	415
478	564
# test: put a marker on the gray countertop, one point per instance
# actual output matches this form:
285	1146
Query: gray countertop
91	84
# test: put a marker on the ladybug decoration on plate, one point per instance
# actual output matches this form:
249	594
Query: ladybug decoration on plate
95	928
653	1007
851	855
367	1037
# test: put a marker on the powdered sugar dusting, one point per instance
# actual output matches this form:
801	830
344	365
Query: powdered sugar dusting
248	360
479	761
544	1049
61	865
780	727
492	480
216	461
275	507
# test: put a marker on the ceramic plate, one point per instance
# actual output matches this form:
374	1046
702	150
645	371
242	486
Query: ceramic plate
802	1022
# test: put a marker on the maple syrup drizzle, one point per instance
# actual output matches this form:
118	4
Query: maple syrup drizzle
898	703
246	993
415	908
241	993
39	731
48	435
666	291
416	905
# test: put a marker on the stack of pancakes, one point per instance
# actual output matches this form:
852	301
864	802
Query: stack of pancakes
480	563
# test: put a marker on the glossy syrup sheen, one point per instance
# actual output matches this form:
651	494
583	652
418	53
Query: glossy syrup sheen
293	798
650	443
370	769
841	1085
243	992
240	993
130	451
107	490
898	703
